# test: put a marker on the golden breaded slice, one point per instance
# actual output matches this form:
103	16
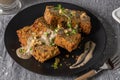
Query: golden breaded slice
68	42
23	34
52	16
38	27
85	23
61	17
45	52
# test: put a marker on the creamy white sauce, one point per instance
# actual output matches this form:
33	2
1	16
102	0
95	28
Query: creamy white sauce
25	52
32	40
47	38
85	56
23	55
53	35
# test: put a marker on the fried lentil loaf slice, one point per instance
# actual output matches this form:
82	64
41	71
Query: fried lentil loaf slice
85	23
78	18
53	17
68	42
43	53
23	34
38	27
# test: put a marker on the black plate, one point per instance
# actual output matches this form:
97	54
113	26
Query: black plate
27	17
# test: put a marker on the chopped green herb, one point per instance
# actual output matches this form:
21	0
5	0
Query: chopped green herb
56	63
31	48
21	50
74	31
69	25
51	40
58	7
52	44
46	33
56	30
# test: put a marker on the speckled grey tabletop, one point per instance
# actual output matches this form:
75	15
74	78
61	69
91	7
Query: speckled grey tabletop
10	70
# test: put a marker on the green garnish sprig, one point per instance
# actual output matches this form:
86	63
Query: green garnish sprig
58	7
46	33
22	50
69	25
52	42
74	31
56	63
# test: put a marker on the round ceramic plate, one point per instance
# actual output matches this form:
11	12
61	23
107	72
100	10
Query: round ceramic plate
27	17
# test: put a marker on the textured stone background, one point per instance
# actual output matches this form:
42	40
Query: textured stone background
10	70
